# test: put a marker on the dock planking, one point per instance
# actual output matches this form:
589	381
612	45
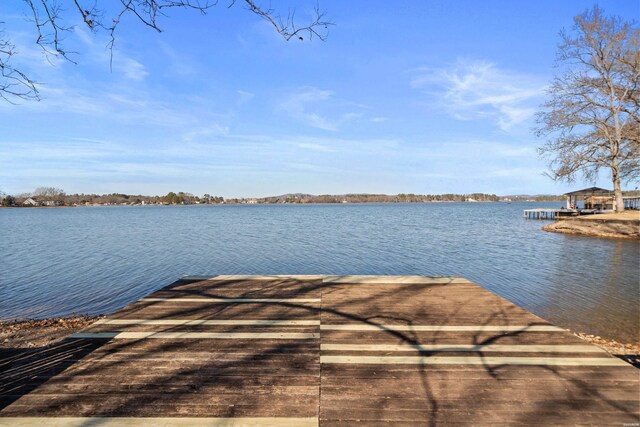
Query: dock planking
309	350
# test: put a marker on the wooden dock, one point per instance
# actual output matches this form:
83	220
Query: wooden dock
541	213
310	350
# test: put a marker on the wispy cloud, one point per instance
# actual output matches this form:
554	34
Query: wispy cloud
471	151
316	147
120	62
320	109
130	68
122	104
244	97
205	133
76	149
476	89
179	62
300	104
306	167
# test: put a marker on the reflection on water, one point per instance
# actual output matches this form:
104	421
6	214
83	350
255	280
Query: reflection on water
95	260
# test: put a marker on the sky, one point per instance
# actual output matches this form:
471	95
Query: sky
422	97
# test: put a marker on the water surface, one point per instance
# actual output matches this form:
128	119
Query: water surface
97	259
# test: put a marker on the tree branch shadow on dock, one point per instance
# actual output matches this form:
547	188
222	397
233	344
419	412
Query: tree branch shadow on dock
140	397
22	370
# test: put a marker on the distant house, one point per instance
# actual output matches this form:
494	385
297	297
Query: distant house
30	202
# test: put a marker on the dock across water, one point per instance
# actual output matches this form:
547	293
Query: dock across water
541	213
310	350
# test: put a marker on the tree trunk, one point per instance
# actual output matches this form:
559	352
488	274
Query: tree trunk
618	203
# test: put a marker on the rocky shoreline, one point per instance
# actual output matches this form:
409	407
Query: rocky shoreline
624	225
25	334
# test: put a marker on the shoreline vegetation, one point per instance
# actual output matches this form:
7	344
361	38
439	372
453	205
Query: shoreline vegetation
52	197
41	333
623	225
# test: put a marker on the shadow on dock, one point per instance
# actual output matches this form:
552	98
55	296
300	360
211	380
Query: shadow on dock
22	370
101	377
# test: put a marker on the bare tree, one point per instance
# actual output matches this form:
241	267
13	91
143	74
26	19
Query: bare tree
49	193
591	114
52	21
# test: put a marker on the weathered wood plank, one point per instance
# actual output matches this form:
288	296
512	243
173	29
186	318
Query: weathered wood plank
338	349
155	421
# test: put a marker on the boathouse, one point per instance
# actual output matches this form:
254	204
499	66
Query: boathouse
631	202
594	198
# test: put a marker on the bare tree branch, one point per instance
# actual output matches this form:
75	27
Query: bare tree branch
592	111
14	84
317	27
49	22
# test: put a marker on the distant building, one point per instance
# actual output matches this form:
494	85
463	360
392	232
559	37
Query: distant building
594	198
30	202
631	202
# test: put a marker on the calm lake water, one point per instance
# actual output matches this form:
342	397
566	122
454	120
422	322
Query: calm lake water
95	260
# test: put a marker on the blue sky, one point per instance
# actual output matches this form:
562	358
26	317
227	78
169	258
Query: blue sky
421	97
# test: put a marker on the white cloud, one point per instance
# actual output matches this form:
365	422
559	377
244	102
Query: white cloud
316	147
121	63
477	89
244	97
205	133
78	149
307	167
299	104
122	103
129	67
320	109
179	63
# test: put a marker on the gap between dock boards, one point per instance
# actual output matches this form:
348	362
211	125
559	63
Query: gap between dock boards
279	350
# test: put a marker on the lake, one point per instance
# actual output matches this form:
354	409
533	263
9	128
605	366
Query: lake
55	262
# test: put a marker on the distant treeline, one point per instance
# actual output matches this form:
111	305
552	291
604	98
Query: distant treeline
538	198
50	196
371	198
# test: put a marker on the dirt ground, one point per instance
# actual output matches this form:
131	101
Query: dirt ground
40	333
627	215
625	225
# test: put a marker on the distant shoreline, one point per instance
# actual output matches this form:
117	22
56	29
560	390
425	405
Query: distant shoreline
53	197
271	203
